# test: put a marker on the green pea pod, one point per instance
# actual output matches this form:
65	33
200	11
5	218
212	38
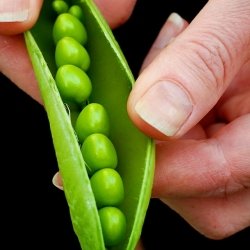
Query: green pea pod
112	81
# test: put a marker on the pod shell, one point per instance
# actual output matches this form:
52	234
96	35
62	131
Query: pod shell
112	82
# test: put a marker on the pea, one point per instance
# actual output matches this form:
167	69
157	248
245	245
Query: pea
76	11
67	25
69	51
60	7
92	119
107	187
98	152
73	84
113	224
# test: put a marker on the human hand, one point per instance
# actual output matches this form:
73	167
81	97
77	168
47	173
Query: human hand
194	94
17	16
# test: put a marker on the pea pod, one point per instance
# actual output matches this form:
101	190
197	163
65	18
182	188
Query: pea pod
111	81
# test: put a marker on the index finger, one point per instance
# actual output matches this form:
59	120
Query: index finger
215	167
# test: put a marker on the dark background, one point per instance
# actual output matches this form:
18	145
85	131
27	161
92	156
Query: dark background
34	214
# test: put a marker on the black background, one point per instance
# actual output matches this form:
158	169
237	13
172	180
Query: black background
34	214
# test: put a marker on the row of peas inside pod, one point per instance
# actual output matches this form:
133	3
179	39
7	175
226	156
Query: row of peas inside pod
92	126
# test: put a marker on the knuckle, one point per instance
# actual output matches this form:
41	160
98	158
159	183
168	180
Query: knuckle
209	59
227	173
215	54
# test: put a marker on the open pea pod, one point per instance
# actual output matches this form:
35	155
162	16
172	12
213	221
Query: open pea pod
112	81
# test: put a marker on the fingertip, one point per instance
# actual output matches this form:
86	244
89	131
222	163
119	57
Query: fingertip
137	108
116	12
182	82
57	181
142	125
18	16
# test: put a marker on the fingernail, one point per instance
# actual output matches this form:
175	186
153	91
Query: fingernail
171	40
55	181
14	10
168	32
176	20
165	106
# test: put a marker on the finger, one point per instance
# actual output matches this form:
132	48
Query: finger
236	106
188	77
57	181
235	101
116	12
216	167
195	133
216	218
16	65
140	245
17	16
214	128
171	29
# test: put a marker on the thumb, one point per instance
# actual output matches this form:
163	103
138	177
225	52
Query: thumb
16	16
187	78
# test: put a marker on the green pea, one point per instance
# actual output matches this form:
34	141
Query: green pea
107	187
92	119
73	84
113	224
76	11
69	51
60	7
67	25
98	153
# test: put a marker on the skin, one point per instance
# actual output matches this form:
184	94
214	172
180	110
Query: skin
210	193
